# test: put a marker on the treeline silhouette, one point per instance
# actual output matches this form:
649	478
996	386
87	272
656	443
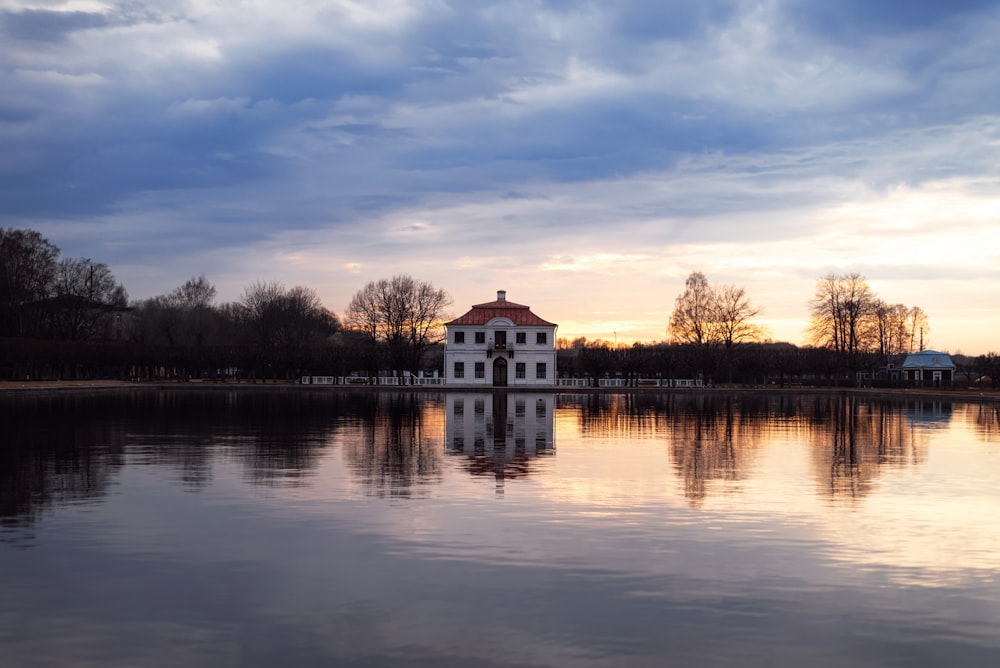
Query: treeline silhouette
65	318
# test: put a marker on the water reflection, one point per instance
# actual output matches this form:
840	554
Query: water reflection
715	438
499	434
319	527
68	448
392	443
986	418
50	458
865	436
64	449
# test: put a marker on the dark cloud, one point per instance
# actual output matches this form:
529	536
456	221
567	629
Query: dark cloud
684	20
223	128
316	73
853	20
41	25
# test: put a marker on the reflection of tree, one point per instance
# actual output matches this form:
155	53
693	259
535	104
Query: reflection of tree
986	418
54	455
705	449
396	446
714	437
64	448
855	438
711	436
276	436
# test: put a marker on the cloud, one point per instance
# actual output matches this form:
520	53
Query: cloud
485	142
42	25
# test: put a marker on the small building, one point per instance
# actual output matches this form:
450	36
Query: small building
500	344
928	368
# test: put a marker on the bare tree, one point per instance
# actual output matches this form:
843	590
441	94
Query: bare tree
196	292
304	319
839	311
425	321
195	298
920	328
183	317
364	313
694	312
889	328
405	313
707	317
733	316
259	309
86	295
279	318
27	270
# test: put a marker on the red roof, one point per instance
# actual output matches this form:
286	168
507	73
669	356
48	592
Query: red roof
516	313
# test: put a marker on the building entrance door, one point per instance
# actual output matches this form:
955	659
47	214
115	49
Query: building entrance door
500	372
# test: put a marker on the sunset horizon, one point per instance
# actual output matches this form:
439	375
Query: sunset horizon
587	158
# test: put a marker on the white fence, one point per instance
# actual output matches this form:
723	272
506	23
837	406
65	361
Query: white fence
560	382
373	380
632	382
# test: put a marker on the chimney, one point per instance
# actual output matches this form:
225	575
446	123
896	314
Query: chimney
501	295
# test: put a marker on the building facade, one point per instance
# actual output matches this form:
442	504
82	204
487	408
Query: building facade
928	368
500	344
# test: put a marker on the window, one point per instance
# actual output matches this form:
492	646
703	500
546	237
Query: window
459	407
459	369
522	337
540	369
480	370
480	337
500	339
541	338
519	370
459	337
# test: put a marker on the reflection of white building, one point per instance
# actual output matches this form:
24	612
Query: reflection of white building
499	344
929	413
499	433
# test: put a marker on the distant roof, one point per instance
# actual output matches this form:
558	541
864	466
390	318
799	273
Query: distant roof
928	359
519	314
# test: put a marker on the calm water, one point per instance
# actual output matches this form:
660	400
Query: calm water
317	528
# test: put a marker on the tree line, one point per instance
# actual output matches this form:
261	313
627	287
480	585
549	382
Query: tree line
70	317
851	328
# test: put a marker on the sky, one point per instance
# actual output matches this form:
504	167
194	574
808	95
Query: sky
585	157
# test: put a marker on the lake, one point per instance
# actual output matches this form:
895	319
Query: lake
306	527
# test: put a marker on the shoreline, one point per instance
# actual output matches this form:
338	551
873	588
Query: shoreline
73	386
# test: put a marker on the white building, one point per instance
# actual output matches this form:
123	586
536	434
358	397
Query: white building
928	368
500	344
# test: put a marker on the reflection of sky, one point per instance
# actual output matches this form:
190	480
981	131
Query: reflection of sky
596	556
924	516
